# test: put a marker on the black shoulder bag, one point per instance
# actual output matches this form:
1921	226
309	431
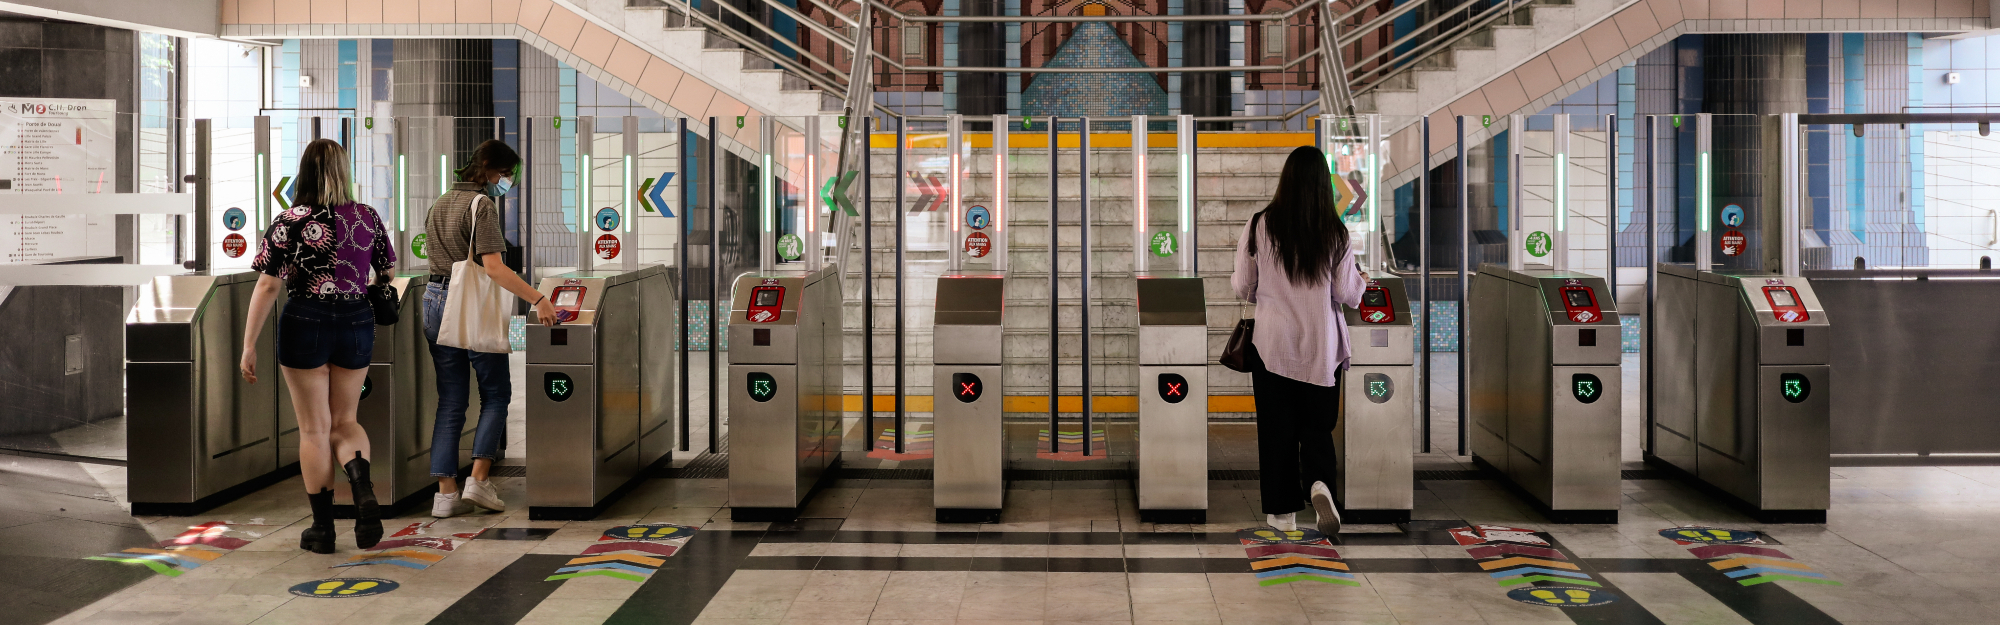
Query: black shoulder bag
1240	354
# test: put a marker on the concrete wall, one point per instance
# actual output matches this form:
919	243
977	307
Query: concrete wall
183	18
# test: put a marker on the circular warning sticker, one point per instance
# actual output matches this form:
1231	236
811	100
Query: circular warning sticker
1164	244
1539	244
233	219
791	247
344	587
1732	215
978	245
1732	243
417	246
1710	535
607	219
1561	597
607	246
977	218
233	245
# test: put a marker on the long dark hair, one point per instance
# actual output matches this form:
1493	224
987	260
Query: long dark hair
1304	224
322	179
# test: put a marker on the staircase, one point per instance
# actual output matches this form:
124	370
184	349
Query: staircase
1235	182
721	63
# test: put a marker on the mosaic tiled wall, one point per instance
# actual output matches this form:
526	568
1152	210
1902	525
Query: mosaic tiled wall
698	328
1094	44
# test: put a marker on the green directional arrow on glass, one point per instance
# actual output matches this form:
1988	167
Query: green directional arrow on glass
834	192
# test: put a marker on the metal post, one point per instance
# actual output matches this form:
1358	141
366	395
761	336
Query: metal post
628	172
347	137
1083	272
867	283
1464	277
1424	280
586	130
1652	271
714	286
261	202
1561	191
527	179
1000	147
1704	192
767	201
1517	218
1055	293
902	243
954	143
1611	204
203	230
684	154
1141	219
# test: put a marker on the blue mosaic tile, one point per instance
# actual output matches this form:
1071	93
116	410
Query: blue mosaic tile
1094	44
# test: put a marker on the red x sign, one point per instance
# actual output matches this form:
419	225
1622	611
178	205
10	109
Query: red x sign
968	385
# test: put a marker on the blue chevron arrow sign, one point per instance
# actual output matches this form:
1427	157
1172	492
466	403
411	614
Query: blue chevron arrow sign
652	194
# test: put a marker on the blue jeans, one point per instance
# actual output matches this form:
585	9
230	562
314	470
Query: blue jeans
453	367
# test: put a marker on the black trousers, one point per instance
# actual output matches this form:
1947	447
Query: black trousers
1294	438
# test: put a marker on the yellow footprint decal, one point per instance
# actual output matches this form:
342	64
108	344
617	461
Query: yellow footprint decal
327	588
344	587
1562	597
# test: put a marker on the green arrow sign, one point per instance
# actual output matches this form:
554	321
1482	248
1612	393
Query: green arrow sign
278	193
834	192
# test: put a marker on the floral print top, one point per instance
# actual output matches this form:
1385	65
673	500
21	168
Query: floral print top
326	253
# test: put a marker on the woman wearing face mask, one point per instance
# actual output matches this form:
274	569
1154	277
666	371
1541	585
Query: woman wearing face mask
451	236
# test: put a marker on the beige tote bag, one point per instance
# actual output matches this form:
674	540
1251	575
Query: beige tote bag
476	310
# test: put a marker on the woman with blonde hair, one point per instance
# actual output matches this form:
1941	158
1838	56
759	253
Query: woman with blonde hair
324	251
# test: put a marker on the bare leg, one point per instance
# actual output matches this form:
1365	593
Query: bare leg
309	402
343	398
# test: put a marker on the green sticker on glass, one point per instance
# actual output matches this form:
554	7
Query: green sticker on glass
791	247
761	385
417	246
1164	244
1539	244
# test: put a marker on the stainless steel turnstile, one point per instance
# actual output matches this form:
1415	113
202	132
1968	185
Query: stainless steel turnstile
198	435
601	396
1376	432
784	386
1544	385
1173	399
968	444
399	407
1741	389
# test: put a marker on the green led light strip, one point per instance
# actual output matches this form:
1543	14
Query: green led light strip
444	168
583	204
765	181
263	207
1374	181
1701	199
1187	191
625	200
1562	192
402	195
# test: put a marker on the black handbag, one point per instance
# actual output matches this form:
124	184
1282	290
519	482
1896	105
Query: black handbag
386	302
1240	354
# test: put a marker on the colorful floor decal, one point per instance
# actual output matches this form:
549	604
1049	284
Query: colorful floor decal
628	552
1735	553
344	587
1069	446
917	446
1515	556
199	545
412	547
1283	557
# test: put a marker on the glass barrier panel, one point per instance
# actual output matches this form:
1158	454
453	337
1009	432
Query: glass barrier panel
1540	190
1587	226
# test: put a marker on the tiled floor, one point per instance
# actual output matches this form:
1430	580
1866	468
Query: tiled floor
1905	544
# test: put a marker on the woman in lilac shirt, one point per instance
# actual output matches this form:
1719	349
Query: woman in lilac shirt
324	251
1299	247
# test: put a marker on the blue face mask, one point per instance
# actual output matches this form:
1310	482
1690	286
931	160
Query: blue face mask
500	188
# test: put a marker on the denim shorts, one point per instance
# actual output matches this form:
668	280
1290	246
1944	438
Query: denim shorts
312	333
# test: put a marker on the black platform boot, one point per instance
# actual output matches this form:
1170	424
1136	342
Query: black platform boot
367	513
319	537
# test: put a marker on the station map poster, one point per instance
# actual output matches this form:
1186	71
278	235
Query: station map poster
53	146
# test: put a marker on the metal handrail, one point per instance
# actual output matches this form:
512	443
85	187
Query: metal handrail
1059	19
1407	61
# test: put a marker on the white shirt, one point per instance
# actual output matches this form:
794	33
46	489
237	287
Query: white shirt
1301	333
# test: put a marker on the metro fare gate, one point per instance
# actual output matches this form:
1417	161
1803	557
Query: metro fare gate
1375	435
969	441
1173	400
601	403
784	390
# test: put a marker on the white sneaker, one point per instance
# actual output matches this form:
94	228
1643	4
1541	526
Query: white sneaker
1283	522
1329	518
447	505
482	493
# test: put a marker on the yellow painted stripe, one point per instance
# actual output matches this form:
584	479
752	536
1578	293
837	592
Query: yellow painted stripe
1496	564
1040	139
1294	560
1749	560
627	557
1040	403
